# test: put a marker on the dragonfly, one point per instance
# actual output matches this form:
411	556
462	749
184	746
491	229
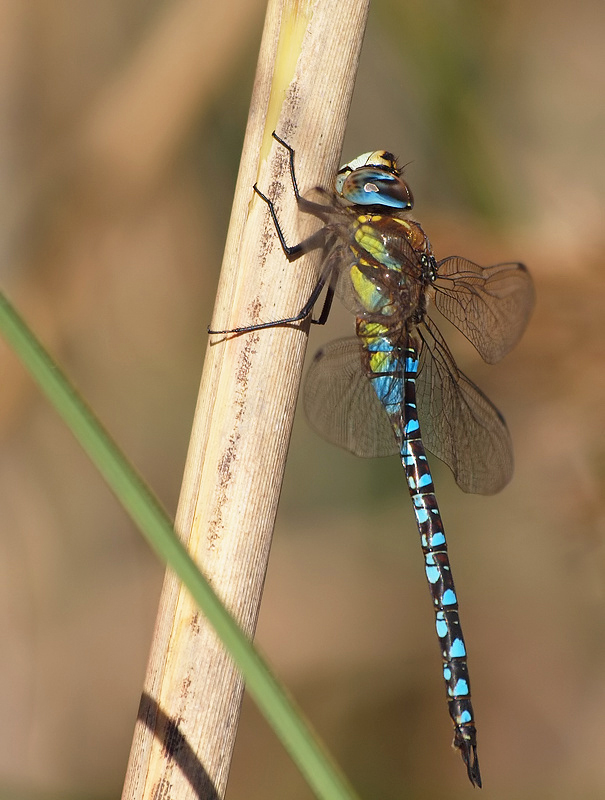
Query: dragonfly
370	393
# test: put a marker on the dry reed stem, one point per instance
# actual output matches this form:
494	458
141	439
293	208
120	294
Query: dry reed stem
189	711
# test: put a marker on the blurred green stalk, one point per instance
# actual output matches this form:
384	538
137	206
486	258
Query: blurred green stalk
287	721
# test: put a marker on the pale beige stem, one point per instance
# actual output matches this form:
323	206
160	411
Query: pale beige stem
189	711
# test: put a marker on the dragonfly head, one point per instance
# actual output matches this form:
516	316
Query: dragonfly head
374	179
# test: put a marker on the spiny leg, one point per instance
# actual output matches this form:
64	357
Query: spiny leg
326	274
290	150
292	253
302	314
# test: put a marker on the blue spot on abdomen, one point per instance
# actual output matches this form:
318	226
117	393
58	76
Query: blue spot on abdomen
457	649
449	597
411	425
460	689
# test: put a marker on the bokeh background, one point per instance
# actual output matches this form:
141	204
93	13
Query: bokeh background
121	125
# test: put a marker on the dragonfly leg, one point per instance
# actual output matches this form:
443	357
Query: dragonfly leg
302	314
293	252
308	206
290	150
325	311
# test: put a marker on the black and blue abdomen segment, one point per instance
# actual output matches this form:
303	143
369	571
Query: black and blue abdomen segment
392	373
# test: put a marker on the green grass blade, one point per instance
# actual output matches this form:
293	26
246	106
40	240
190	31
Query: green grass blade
278	708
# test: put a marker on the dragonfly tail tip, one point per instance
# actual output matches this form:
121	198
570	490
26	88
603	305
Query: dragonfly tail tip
469	756
468	751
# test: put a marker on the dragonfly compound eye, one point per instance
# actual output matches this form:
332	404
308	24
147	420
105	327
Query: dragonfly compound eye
375	186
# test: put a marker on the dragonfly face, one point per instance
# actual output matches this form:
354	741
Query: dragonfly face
374	179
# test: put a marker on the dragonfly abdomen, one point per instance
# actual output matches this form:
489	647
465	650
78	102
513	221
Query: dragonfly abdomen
392	373
438	573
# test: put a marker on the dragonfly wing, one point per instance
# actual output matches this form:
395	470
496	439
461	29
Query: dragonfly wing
459	424
341	404
490	305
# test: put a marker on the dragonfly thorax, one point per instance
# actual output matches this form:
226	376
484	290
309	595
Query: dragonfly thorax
374	179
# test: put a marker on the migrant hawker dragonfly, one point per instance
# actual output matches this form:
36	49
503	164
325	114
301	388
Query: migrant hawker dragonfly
369	393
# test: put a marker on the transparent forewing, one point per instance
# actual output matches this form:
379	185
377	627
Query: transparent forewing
490	305
341	404
459	424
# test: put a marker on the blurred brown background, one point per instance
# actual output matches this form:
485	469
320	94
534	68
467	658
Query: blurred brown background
121	125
